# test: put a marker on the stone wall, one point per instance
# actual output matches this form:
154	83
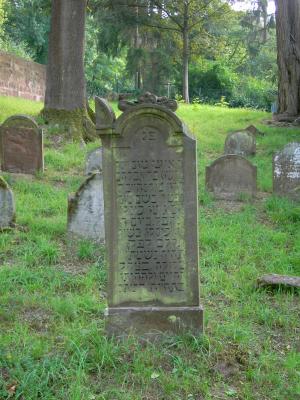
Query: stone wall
21	78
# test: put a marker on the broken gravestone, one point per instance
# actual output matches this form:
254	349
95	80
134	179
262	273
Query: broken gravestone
150	191
21	145
242	143
7	206
286	172
231	177
274	280
86	210
94	161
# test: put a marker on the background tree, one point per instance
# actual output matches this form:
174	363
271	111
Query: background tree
65	98
189	19
288	57
28	23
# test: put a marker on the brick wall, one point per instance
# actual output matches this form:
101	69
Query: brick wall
21	78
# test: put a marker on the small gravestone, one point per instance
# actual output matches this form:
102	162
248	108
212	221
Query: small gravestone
231	177
21	145
242	143
252	129
286	172
94	161
150	190
7	205
86	210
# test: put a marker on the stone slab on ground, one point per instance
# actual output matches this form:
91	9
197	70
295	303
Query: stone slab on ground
275	280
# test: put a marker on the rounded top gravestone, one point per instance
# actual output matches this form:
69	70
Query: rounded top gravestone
7	205
21	145
231	177
242	143
286	171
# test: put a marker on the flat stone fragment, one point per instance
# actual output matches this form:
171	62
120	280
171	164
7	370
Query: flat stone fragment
286	172
94	161
150	190
279	280
242	143
231	177
7	206
21	145
86	211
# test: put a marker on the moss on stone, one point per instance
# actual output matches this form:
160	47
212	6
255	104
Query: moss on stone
75	124
3	183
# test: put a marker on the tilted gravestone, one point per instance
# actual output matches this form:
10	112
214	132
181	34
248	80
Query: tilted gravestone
150	193
242	143
86	211
21	145
231	177
286	172
7	205
94	161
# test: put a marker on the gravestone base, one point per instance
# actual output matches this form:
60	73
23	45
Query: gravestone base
153	321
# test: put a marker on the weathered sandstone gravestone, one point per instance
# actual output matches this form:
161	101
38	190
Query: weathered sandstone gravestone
286	172
21	145
242	143
231	177
150	193
252	129
7	205
94	161
86	210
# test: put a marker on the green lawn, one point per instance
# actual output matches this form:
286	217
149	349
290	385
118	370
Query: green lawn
52	341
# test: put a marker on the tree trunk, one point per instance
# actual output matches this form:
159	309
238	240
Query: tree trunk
288	58
185	56
65	98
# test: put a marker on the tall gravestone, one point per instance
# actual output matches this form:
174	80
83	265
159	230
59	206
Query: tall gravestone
231	177
150	194
286	172
7	205
86	210
21	145
242	143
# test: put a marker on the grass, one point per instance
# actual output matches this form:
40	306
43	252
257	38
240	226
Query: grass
52	340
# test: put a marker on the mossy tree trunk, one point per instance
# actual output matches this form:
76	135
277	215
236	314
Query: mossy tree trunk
288	56
65	98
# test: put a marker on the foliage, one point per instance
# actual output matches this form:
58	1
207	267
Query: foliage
209	81
104	73
138	46
253	92
28	23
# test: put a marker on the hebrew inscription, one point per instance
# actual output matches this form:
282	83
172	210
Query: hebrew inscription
151	232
